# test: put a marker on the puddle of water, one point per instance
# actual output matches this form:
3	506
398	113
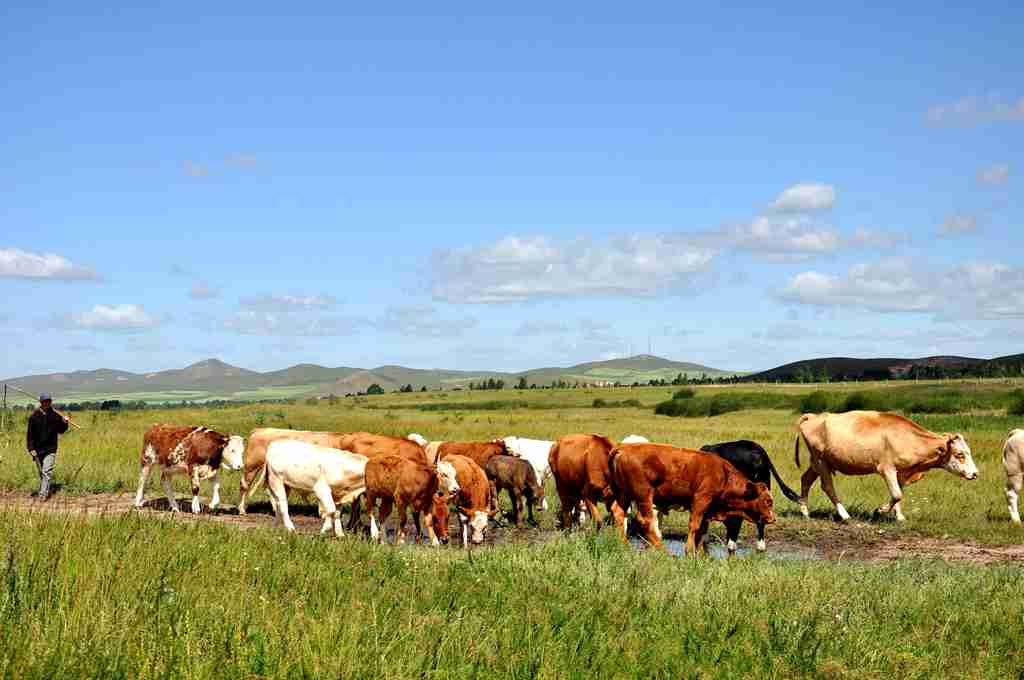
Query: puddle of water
718	551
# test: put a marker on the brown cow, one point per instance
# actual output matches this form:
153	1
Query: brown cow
256	454
659	478
403	483
518	477
196	451
373	445
473	502
479	452
579	464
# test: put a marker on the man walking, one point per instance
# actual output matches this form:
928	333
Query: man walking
44	426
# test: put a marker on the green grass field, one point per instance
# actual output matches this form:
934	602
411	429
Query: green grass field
140	596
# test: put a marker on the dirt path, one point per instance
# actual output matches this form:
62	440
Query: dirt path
837	542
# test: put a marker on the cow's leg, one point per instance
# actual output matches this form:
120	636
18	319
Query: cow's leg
193	475
429	519
370	502
895	494
353	517
530	501
595	513
516	507
243	488
165	481
279	502
402	519
732	532
464	525
623	519
215	494
143	478
698	525
568	505
1013	487
761	544
830	490
383	513
807	480
328	509
647	516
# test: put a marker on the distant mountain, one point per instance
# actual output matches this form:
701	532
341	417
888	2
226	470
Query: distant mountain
213	378
848	368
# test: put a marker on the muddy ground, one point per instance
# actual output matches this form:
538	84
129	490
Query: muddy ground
824	539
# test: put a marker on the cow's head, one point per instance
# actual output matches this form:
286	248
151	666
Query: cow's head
503	447
759	506
447	484
439	517
477	521
958	457
232	457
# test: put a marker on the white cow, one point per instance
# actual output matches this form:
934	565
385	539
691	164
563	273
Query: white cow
1013	462
334	476
535	451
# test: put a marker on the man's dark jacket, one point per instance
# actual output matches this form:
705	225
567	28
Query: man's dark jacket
43	428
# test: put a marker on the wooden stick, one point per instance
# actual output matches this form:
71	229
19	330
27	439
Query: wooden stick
70	422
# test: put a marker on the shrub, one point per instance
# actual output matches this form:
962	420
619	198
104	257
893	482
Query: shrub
858	401
1017	407
600	403
685	393
815	402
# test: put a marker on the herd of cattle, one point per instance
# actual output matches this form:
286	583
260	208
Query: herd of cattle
728	482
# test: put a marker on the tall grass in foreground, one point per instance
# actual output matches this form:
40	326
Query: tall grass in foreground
136	598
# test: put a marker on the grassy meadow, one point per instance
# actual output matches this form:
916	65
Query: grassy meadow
142	596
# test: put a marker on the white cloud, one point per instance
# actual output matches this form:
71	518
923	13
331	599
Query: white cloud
994	175
195	170
124	318
958	225
774	238
864	237
203	291
805	197
975	290
277	302
974	110
516	268
19	264
253	322
535	327
421	321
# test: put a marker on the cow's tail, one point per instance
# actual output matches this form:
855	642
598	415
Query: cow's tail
259	480
796	451
786	491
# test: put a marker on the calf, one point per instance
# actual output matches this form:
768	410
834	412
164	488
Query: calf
752	460
473	501
535	451
196	451
579	464
334	477
517	477
1013	463
405	483
659	478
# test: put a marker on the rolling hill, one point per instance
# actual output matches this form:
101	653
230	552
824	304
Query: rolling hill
849	368
213	379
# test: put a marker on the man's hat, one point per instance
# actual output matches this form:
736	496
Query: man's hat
45	396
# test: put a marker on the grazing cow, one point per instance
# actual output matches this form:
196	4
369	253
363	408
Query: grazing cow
1013	462
473	501
479	452
256	455
751	459
196	451
869	442
516	476
402	482
659	478
579	464
335	477
536	452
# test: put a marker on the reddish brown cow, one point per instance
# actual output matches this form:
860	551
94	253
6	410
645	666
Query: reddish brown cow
373	445
478	452
473	501
661	477
405	484
196	451
579	464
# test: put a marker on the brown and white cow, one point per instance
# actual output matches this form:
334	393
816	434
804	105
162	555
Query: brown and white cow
660	478
196	451
256	454
869	442
579	464
404	483
473	501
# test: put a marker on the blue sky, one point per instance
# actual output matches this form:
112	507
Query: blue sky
739	187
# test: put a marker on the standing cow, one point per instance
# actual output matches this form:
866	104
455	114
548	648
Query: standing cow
472	501
536	452
256	455
335	477
579	464
405	483
751	459
196	451
1013	463
516	476
869	442
660	478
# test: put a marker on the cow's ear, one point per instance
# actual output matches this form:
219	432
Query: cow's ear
750	492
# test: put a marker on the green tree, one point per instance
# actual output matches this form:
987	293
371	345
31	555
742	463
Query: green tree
375	389
521	385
